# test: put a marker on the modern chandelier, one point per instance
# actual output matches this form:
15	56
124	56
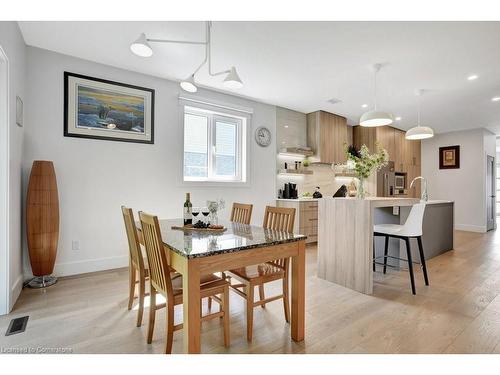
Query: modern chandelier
419	131
142	48
375	117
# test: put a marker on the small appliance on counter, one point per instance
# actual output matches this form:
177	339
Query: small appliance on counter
341	192
400	183
317	193
289	191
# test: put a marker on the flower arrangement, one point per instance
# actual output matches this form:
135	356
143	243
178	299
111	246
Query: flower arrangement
214	207
365	163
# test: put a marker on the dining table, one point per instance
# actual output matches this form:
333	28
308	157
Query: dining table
197	253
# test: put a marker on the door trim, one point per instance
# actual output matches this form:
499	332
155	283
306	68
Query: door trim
4	185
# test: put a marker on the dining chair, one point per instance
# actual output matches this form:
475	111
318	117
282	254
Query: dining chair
138	271
412	228
241	213
164	281
276	219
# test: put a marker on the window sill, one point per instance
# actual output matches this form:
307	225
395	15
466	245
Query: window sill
222	184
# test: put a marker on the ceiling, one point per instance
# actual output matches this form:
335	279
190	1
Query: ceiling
302	65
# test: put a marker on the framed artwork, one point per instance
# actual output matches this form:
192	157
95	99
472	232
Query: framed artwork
449	157
19	111
101	109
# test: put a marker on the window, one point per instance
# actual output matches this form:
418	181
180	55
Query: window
214	146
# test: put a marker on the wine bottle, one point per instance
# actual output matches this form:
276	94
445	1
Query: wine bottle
188	208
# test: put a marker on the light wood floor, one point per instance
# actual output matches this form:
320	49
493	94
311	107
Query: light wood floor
458	313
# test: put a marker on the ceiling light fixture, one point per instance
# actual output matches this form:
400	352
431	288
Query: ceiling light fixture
472	77
142	48
364	105
419	131
375	117
398	118
495	99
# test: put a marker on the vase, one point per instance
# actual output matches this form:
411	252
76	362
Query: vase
214	218
361	188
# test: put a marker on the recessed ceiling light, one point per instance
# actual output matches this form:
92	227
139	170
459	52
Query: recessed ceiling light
495	99
334	101
364	105
286	126
398	118
472	77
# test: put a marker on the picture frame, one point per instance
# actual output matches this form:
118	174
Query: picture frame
19	111
101	109
449	157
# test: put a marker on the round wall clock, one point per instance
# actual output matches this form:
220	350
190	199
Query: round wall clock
263	136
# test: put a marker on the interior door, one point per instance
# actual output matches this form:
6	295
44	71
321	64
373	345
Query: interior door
490	193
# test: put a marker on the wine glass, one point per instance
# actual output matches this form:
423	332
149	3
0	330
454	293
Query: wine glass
195	211
205	212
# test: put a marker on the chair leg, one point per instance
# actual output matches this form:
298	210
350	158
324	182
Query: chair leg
386	252
132	276
152	314
227	317
250	302
209	304
169	328
422	259
286	302
142	293
410	265
262	295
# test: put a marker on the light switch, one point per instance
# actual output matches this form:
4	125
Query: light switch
75	245
395	210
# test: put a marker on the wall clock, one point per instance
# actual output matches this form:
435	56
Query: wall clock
263	136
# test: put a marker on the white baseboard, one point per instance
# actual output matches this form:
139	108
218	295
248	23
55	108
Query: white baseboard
91	265
471	228
15	291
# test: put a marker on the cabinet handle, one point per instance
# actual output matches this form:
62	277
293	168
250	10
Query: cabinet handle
314	219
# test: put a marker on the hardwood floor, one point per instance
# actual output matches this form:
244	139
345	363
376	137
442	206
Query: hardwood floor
458	313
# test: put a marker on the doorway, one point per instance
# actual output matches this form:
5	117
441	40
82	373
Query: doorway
490	193
4	184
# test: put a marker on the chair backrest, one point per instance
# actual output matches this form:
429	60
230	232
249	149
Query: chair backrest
241	213
159	270
134	246
279	218
413	224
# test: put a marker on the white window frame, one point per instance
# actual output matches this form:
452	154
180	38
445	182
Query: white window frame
241	146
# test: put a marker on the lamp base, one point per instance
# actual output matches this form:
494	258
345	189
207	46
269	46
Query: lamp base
42	282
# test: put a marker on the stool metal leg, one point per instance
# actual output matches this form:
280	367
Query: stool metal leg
386	252
422	259
373	254
410	265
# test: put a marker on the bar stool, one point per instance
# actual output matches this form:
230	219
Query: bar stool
412	228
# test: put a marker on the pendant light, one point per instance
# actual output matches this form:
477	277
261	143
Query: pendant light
375	117
419	131
141	47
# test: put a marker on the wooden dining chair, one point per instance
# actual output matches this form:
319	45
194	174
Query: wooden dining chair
138	271
168	284
241	213
279	219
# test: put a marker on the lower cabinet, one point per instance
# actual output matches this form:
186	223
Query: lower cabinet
306	217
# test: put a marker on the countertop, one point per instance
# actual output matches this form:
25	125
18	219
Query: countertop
299	199
436	201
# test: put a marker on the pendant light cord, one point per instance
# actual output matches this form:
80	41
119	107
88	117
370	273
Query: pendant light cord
375	88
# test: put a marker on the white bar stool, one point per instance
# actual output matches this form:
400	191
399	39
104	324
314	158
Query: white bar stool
412	228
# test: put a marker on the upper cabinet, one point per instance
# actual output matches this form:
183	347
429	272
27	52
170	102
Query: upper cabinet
326	135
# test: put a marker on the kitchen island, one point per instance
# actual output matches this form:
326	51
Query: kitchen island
345	235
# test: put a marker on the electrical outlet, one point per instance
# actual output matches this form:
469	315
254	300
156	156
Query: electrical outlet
395	210
75	245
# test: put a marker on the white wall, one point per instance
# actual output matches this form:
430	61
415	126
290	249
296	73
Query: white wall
13	45
96	177
466	185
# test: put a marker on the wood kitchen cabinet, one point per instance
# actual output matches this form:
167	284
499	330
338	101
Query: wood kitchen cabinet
405	154
326	135
306	217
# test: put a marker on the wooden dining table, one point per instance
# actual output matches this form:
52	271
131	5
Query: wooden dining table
194	254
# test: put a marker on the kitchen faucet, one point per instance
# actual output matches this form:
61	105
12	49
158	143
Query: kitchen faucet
425	196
